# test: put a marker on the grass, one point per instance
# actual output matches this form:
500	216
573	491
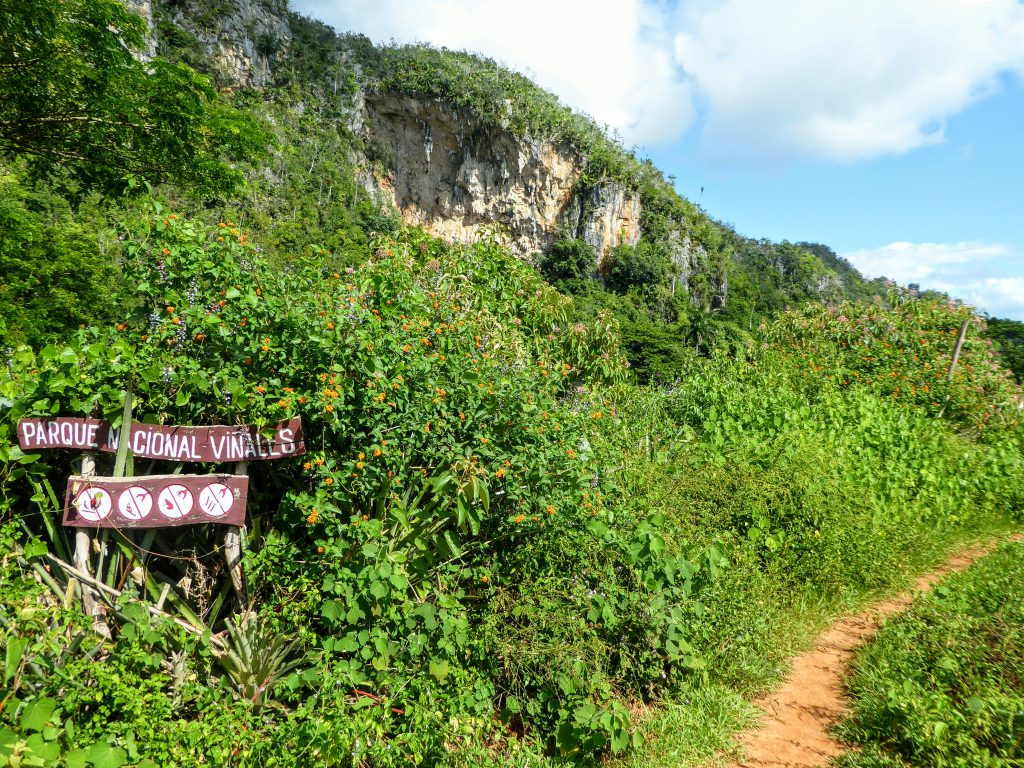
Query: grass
943	683
695	730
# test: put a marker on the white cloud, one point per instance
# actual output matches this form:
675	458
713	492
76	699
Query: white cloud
609	58
988	275
842	80
774	81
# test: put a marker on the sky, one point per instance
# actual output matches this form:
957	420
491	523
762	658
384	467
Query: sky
890	130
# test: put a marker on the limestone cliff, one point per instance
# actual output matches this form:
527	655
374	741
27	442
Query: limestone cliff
242	39
447	171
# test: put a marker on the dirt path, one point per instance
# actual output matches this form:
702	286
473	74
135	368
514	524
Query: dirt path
794	730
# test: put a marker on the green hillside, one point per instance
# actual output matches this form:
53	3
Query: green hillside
544	506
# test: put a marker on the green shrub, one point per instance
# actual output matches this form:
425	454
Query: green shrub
568	260
634	266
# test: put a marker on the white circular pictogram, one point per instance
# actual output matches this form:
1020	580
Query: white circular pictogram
135	502
175	501
216	499
93	504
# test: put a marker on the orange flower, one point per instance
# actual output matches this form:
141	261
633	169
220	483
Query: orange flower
311	517
307	466
500	473
359	465
377	451
329	481
260	389
328	408
484	578
520	518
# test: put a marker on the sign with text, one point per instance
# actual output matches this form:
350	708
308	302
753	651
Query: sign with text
155	441
155	501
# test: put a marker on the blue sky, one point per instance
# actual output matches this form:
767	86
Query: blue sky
890	130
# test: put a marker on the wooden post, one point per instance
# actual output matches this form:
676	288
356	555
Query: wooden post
83	546
234	541
956	350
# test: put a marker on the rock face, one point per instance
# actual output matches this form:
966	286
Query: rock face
243	38
452	174
605	216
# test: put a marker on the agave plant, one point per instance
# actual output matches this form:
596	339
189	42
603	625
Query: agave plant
255	657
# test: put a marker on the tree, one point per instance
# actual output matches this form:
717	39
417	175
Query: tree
74	95
568	260
642	266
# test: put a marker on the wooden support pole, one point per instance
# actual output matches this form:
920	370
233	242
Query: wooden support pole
83	547
234	542
956	350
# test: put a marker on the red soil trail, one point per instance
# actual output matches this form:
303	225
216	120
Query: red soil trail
796	717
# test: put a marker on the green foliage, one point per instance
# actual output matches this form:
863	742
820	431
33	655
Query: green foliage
55	276
75	99
497	550
568	260
941	684
1008	339
905	353
429	379
657	352
641	266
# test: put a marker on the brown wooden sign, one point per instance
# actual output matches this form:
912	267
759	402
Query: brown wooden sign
155	441
155	501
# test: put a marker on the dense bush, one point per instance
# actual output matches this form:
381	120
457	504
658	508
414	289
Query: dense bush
568	260
640	266
905	353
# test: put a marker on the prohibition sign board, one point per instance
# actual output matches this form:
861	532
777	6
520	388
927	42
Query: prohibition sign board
155	501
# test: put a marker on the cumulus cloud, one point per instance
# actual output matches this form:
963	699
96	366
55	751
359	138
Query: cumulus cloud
769	82
839	80
988	275
609	58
